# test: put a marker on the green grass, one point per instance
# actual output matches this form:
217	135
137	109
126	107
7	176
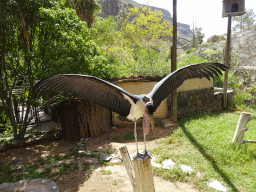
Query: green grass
105	172
204	142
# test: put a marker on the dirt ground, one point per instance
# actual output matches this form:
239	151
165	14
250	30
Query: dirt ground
117	180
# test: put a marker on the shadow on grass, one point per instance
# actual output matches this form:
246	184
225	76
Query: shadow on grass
205	154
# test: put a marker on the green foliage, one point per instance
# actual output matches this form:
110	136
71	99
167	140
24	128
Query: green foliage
146	29
199	36
131	50
9	131
147	24
85	9
104	30
187	59
6	172
190	50
233	81
213	55
3	117
41	38
241	96
65	45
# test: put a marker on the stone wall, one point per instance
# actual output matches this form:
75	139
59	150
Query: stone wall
199	100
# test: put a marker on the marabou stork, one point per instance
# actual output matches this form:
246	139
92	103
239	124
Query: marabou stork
114	98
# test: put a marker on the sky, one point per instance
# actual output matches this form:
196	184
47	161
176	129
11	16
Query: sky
207	13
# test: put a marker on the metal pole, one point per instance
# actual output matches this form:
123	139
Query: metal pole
174	61
227	63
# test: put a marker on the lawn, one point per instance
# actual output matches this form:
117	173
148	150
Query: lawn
204	142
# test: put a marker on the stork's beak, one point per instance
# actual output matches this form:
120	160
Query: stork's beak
147	121
150	111
151	117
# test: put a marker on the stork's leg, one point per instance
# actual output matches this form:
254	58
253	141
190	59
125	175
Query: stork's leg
135	135
145	142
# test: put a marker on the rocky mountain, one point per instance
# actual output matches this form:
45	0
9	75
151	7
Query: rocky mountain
115	7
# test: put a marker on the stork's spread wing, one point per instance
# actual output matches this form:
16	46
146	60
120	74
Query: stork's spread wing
90	88
172	81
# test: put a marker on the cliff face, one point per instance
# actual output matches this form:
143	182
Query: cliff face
113	7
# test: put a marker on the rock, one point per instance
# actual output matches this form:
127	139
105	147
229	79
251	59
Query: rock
105	157
168	164
35	185
216	185
186	168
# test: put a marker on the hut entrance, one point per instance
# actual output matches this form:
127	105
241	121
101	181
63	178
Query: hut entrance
235	7
81	118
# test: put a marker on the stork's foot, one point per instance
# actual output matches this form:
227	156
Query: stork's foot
143	154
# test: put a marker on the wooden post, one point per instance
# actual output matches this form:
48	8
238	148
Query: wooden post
225	97
174	61
128	166
144	174
139	171
241	128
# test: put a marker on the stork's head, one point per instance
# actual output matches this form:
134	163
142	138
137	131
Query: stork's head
149	105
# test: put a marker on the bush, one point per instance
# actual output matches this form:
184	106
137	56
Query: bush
233	81
187	59
191	50
241	96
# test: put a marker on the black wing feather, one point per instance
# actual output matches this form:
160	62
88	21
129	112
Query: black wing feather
172	81
90	88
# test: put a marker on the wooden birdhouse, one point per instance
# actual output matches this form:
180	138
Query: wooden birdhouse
233	8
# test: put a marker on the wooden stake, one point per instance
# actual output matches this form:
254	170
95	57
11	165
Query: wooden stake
241	128
144	174
128	166
140	171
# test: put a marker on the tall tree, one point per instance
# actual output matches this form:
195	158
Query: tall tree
244	22
199	36
18	25
37	39
147	28
85	9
